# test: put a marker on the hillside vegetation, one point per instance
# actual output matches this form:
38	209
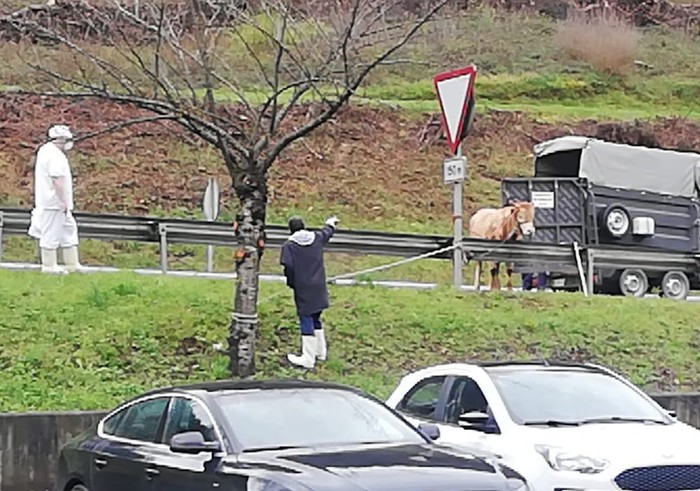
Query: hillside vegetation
88	341
377	164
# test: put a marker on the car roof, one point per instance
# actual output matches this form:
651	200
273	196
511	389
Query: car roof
490	366
241	385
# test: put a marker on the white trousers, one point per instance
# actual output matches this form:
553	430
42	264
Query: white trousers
53	228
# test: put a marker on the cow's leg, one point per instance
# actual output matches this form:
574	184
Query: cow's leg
495	281
477	276
509	272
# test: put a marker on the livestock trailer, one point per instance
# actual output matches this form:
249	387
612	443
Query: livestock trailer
609	195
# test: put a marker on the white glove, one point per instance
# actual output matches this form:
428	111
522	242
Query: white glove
333	221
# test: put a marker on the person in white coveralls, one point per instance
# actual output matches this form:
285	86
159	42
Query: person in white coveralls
52	220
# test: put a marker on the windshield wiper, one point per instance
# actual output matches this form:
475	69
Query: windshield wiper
622	419
552	422
272	448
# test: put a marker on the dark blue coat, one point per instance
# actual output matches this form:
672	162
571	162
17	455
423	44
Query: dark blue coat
302	259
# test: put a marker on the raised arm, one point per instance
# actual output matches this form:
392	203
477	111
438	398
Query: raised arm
328	229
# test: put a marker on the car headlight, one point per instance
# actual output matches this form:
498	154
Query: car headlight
517	485
560	459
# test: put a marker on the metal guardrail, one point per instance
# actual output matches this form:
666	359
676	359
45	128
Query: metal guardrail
164	231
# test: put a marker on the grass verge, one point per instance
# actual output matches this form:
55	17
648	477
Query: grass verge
87	342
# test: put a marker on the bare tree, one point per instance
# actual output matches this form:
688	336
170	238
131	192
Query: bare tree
241	77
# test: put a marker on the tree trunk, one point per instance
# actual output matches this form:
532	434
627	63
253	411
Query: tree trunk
249	227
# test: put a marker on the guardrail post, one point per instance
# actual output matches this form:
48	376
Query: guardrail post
2	220
163	234
210	258
591	269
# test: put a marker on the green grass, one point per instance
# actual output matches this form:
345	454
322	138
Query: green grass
554	96
87	341
132	255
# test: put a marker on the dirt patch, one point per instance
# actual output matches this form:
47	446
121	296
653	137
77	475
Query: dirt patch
378	163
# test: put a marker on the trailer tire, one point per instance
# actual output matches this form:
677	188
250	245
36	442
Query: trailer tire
617	220
633	283
675	285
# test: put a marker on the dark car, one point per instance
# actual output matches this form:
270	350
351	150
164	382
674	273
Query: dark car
268	436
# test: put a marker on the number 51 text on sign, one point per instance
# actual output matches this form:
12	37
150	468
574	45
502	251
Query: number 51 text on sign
455	91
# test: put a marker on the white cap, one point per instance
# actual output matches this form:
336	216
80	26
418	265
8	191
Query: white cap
60	131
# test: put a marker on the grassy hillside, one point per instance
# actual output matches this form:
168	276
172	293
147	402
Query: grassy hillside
85	342
88	341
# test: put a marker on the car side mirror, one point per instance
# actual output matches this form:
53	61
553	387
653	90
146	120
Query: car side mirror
192	442
672	413
429	430
475	420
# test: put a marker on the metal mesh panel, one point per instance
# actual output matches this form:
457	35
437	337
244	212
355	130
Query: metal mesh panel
565	221
660	478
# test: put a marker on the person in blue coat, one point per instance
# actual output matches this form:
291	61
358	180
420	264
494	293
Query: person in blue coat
304	269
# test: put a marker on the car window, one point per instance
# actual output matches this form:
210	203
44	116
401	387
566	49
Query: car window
311	417
188	415
465	396
110	424
421	401
140	421
570	395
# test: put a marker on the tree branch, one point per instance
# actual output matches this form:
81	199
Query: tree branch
333	108
125	124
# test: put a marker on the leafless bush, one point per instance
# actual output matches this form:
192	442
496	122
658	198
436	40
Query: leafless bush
600	37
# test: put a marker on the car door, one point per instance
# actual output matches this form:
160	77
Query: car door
464	395
181	471
425	401
128	439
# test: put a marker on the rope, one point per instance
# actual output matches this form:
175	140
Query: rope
480	257
375	269
392	265
250	318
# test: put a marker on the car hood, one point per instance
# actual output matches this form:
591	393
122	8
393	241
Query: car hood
612	440
380	467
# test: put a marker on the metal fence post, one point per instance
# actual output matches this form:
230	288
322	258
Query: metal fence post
163	233
2	220
591	269
210	258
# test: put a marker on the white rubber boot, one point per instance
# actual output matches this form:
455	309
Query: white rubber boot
321	347
70	257
48	262
308	353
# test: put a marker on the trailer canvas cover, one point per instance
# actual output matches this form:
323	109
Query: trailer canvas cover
630	167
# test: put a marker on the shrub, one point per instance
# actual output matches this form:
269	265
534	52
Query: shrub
601	38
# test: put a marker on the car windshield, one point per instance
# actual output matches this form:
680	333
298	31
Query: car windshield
561	396
310	417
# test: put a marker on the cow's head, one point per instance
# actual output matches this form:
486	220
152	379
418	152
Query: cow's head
524	213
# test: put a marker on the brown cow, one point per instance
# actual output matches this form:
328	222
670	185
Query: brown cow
512	221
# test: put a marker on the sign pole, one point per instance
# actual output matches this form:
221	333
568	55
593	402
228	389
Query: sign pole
457	253
456	98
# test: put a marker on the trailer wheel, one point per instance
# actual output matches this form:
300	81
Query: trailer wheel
617	220
633	283
675	285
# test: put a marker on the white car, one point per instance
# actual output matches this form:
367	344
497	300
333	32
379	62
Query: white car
564	427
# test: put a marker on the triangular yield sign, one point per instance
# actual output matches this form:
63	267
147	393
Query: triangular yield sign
454	90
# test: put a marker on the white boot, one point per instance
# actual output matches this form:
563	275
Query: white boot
49	262
70	258
321	347
308	353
